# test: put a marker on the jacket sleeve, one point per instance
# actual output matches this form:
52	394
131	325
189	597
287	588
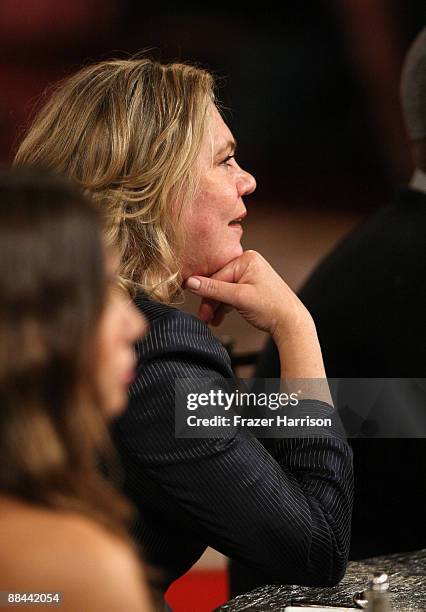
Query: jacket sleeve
286	514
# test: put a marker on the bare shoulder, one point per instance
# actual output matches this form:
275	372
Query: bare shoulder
92	567
104	565
44	531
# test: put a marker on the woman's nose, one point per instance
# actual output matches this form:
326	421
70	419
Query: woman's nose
246	183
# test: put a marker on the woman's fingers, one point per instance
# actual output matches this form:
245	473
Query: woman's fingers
213	295
251	286
207	309
214	290
212	309
213	312
220	314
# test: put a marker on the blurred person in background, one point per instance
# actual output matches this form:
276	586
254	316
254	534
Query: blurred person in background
368	299
148	142
66	359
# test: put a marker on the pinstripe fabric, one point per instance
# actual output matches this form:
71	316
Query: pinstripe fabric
286	513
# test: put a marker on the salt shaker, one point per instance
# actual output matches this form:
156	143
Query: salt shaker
377	593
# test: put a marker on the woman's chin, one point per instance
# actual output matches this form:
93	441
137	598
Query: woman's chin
237	251
226	258
214	265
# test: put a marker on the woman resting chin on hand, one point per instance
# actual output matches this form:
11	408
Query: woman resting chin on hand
251	286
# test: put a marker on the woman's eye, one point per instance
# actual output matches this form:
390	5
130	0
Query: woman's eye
225	162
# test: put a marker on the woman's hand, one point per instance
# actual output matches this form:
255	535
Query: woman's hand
250	285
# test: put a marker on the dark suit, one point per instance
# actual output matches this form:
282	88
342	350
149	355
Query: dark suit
287	514
368	300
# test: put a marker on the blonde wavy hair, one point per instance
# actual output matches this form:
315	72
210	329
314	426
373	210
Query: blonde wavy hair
129	132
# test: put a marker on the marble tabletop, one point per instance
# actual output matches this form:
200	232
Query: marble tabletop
407	590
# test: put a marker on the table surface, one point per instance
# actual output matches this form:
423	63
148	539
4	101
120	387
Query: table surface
407	590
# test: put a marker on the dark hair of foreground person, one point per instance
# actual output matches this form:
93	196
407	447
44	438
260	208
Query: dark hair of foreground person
62	524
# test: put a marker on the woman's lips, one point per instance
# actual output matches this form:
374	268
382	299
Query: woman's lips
236	223
236	226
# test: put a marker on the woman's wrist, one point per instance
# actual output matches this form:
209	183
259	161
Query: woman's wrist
299	325
299	349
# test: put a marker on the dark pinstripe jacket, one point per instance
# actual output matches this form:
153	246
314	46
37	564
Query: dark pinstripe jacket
286	513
